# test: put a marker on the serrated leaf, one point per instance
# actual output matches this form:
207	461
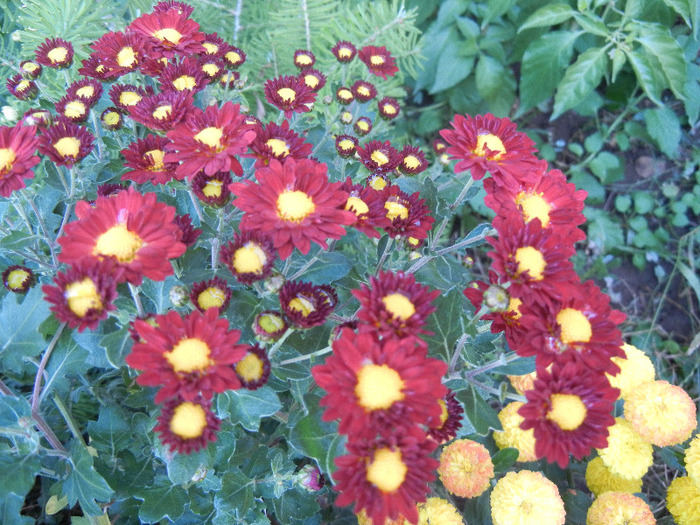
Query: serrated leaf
482	417
68	359
330	267
83	483
295	505
548	15
603	233
23	469
683	8
162	501
19	327
447	323
117	346
664	128
669	53
111	432
591	24
247	407
649	76
10	507
452	67
580	79
234	499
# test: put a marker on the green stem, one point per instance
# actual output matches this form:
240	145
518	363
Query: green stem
385	254
279	343
63	409
42	366
443	224
305	357
503	360
137	300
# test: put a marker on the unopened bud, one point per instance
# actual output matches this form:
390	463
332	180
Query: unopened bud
179	295
496	298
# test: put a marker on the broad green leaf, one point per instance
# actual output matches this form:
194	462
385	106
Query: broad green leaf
20	317
330	267
23	469
295	505
83	483
580	79
683	8
657	41
650	76
447	324
692	90
235	497
10	507
664	128
247	407
165	500
117	346
68	359
604	234
111	432
504	459
13	410
482	417
489	76
607	167
591	24
548	15
452	67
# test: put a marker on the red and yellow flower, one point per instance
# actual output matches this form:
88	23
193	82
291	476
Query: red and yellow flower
306	305
146	158
378	61
250	256
289	94
66	143
277	142
169	32
214	293
18	156
187	426
55	52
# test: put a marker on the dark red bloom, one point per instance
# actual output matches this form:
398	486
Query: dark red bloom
121	53
185	75
450	421
180	8
253	370
250	256
389	108
215	46
187	426
214	293
379	157
362	126
346	145
344	95
363	91
66	143
277	142
18	156
41	118
18	279
378	61
269	326
92	67
189	232
30	69
313	78
125	96
304	59
146	158
212	190
212	67
163	111
55	52
112	118
344	51
169	32
21	88
368	205
87	89
289	94
413	161
73	108
306	305
408	214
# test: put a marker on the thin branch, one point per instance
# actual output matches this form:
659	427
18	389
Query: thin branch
307	24
42	367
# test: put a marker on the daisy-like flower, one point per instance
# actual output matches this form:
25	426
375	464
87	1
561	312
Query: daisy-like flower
30	69
82	296
18	279
163	111
683	501
66	143
212	67
210	140
378	181
379	157
346	145
619	508
214	293
146	157
133	230
187	355
212	191
438	511
21	88
627	454
362	126
187	426
41	118
73	109
92	67
185	75
126	95
169	33
344	51
306	305
304	59
121	53
662	413
386	477
465	468
570	410
88	90
229	80
189	233
486	143
250	256
450	420
214	45
635	368
409	215
234	57
277	142
526	498
413	161
512	435
389	108
269	326
55	52
374	386
18	146
600	480
692	460
525	382
289	94
378	61
368	206
395	304
363	91
180	8
344	95
295	204
314	79
253	370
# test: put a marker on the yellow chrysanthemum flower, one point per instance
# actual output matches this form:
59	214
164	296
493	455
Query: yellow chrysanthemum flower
437	511
636	369
363	519
619	508
514	436
523	383
662	413
465	468
526	498
692	460
683	501
599	480
627	454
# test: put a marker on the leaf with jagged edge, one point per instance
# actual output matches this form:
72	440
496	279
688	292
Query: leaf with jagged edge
20	318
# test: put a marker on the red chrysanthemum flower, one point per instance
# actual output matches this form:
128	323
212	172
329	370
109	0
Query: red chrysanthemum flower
439	146
66	143
153	67
269	326
389	108
395	304
214	45
277	142
187	355
18	279
82	296
344	51
313	78
379	157
30	69
295	204
368	206
253	370
125	96
486	143
55	52
169	33
106	190
363	91
121	53
570	410
163	111
346	145
180	8
133	230
18	146
88	90
378	61
289	94
209	141
146	157
213	191
408	214
362	126
214	293
306	305
386	477
41	118
450	421
73	108
344	95
189	232
187	426
211	66
185	75
92	67
413	161
378	386
21	88
250	256
234	57
304	59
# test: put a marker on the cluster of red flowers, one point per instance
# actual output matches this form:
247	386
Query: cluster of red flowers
534	295
389	398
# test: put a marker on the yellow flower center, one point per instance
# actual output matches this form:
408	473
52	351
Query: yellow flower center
346	144
378	183
250	368
85	91
233	57
376	60
212	297
294	205
311	80
287	94
303	60
74	109
250	258
398	305
575	327
24	84
534	207
302	305
210	69
17	278
389	109
387	471
210	48
362	125
514	307
126	57
378	387
7	159
530	260
184	82
271	323
379	157
364	91
189	420
162	112
57	55
129	98
345	94
493	143
30	67
356	205
344	52
83	296
213	188
444	414
118	242
411	162
67	147
169	34
210	136
568	411
278	147
395	209
157	157
189	355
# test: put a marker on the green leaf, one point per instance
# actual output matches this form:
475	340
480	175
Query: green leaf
234	499
331	266
10	507
592	24
658	42
447	323
649	76
607	167
68	359
688	9
247	407
295	505
19	327
604	234
691	278
117	346
504	459
482	417
83	483
692	90
24	469
452	67
580	79
548	15
165	500
664	128
111	432
623	203
489	76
